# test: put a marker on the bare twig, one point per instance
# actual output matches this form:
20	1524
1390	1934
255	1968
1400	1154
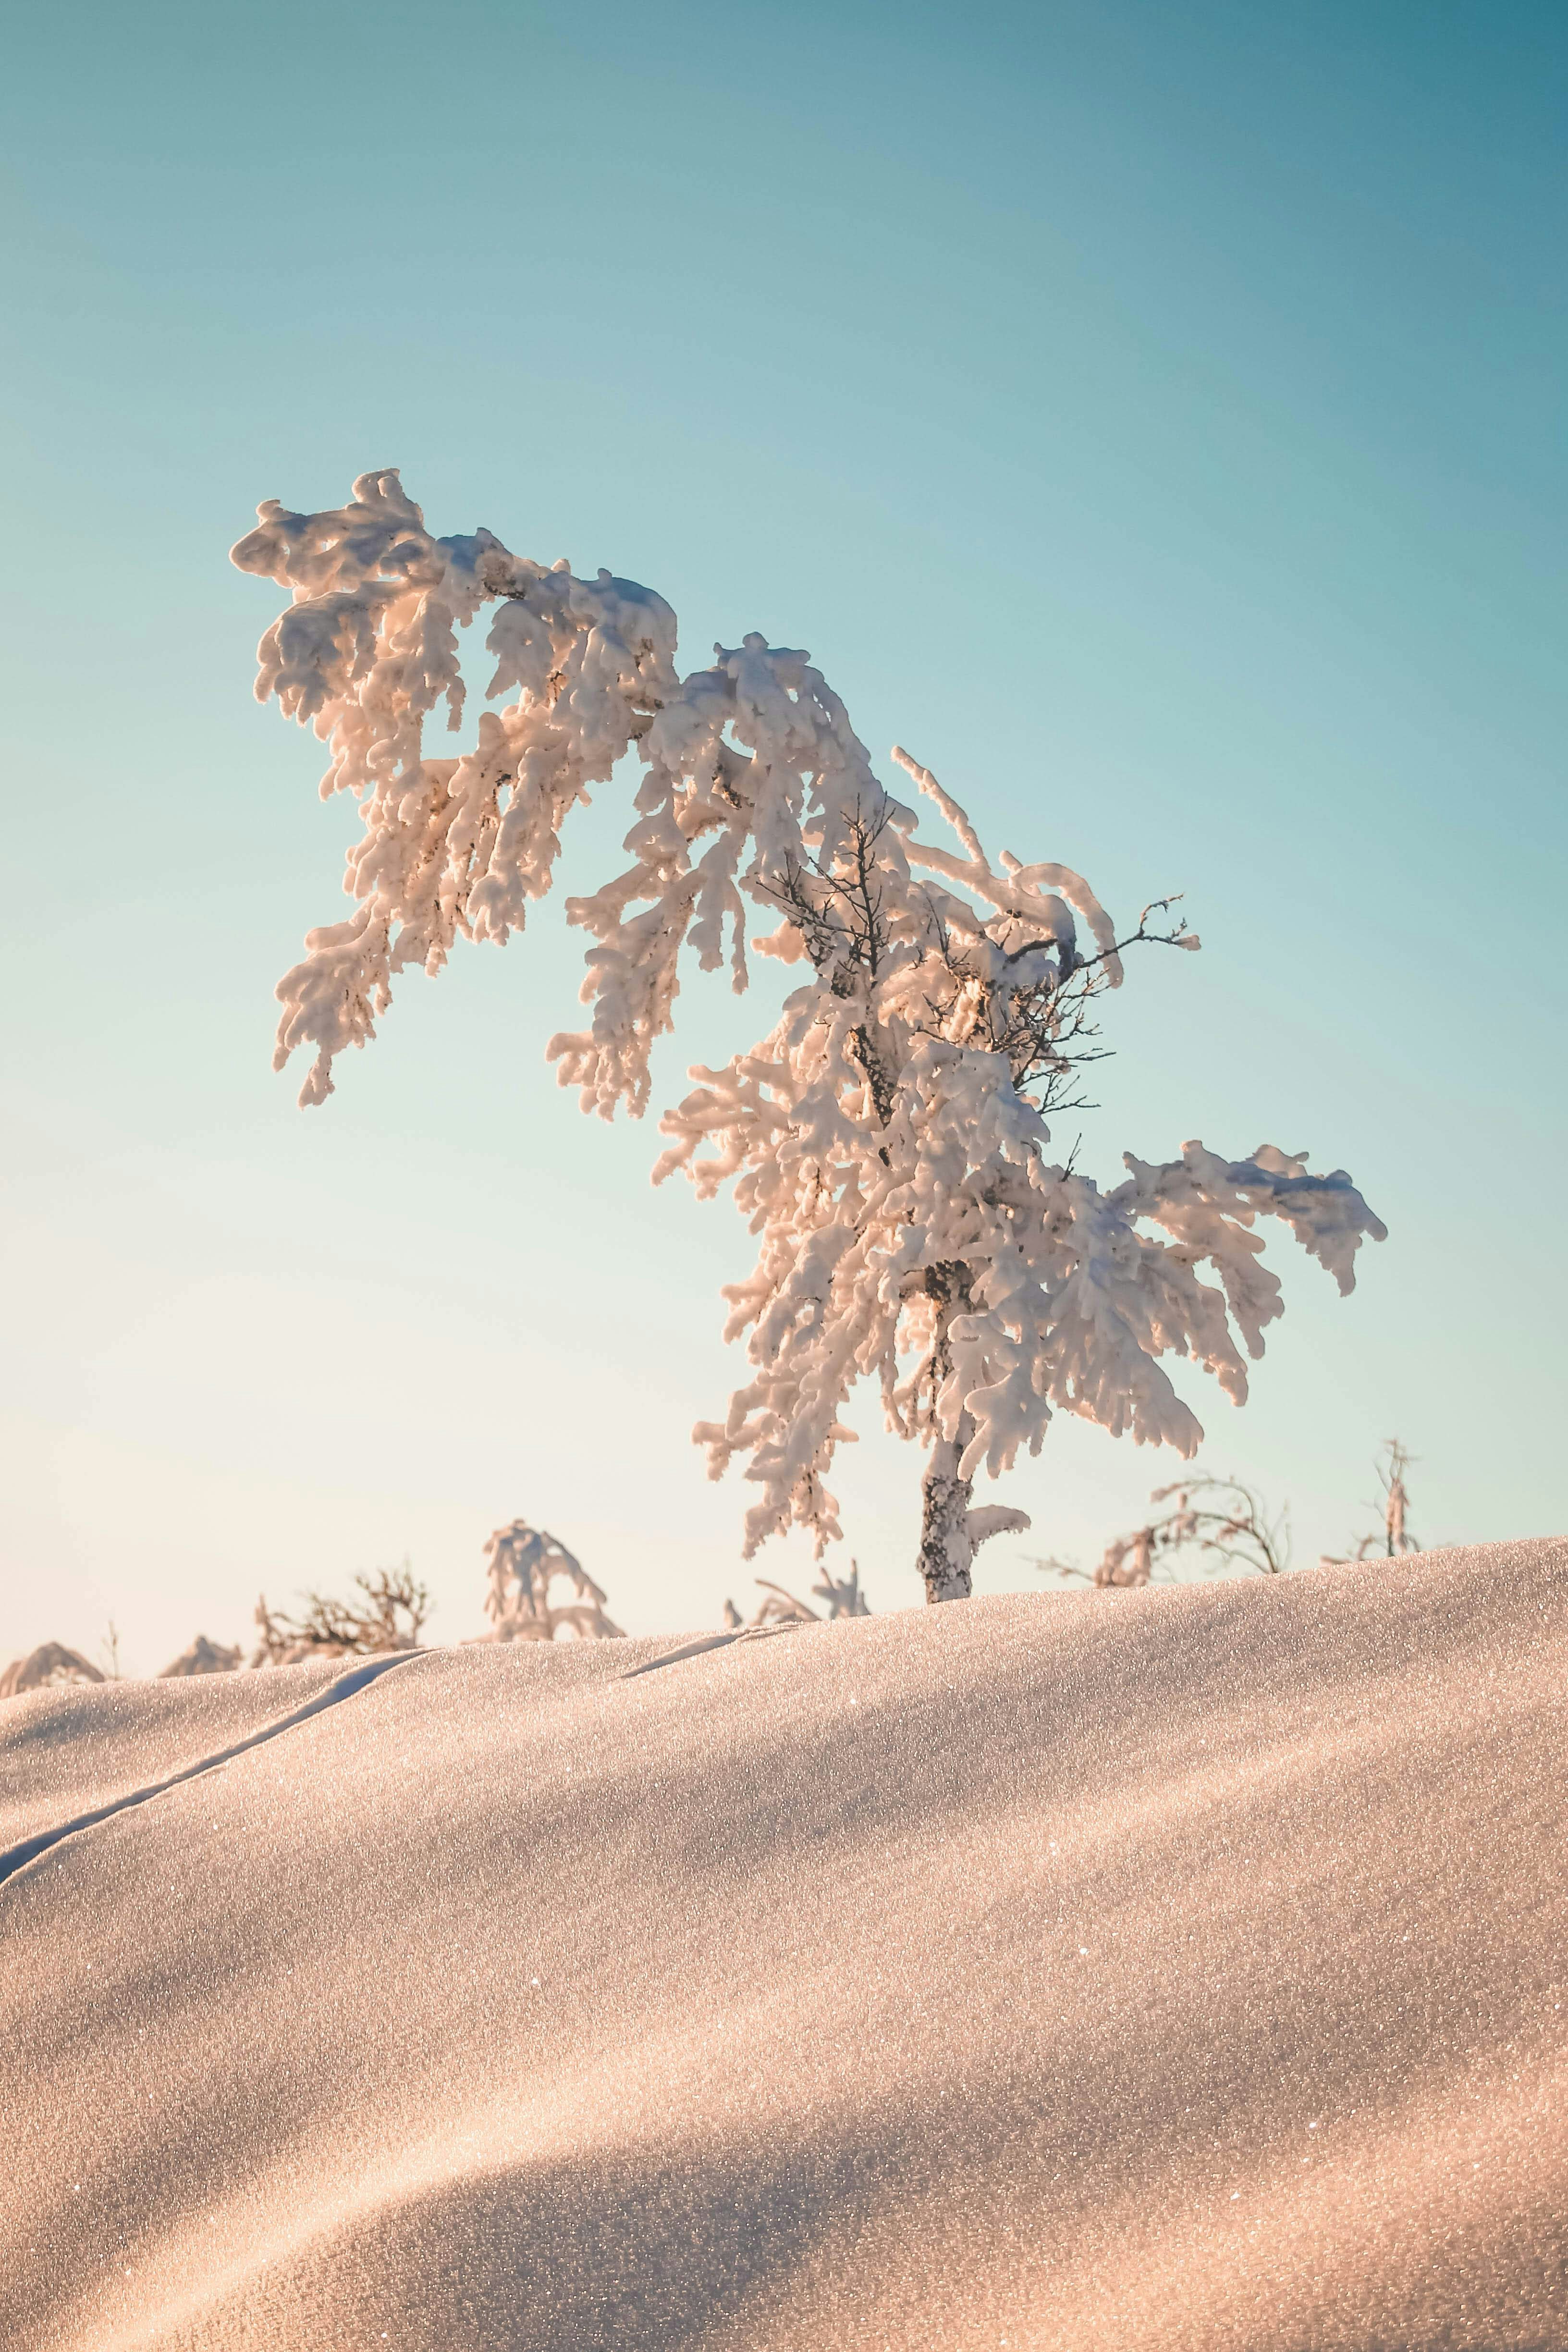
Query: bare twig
386	1612
1395	1537
842	1595
1220	1518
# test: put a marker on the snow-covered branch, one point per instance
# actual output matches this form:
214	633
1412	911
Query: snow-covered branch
748	765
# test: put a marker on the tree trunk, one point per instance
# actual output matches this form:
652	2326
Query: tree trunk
947	1549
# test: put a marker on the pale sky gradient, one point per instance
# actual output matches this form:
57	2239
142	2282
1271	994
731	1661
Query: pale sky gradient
1153	417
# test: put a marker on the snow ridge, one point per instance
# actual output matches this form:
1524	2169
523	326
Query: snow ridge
16	1857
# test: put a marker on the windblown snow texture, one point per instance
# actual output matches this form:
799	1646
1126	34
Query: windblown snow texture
1150	1969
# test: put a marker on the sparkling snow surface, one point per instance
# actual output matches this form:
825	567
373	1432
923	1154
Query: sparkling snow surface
1113	1969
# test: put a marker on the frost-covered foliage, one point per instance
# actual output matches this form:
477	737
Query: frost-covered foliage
1221	1521
889	1139
386	1611
204	1657
42	1668
525	1562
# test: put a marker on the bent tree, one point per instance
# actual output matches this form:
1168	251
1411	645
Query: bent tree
889	1139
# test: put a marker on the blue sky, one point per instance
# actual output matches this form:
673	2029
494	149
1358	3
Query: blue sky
1153	417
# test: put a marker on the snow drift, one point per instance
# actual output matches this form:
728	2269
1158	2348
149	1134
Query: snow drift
1176	1970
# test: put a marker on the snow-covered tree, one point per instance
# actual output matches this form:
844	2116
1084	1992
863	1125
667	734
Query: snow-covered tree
889	1139
524	1565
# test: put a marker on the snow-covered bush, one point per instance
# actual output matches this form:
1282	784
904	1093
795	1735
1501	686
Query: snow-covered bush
204	1657
524	1565
50	1664
889	1139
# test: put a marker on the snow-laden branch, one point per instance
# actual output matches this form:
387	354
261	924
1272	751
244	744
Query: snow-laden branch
750	765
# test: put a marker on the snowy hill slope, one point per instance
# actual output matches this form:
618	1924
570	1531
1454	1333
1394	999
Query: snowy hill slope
1133	1969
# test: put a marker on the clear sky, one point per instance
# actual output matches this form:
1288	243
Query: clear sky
1153	416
